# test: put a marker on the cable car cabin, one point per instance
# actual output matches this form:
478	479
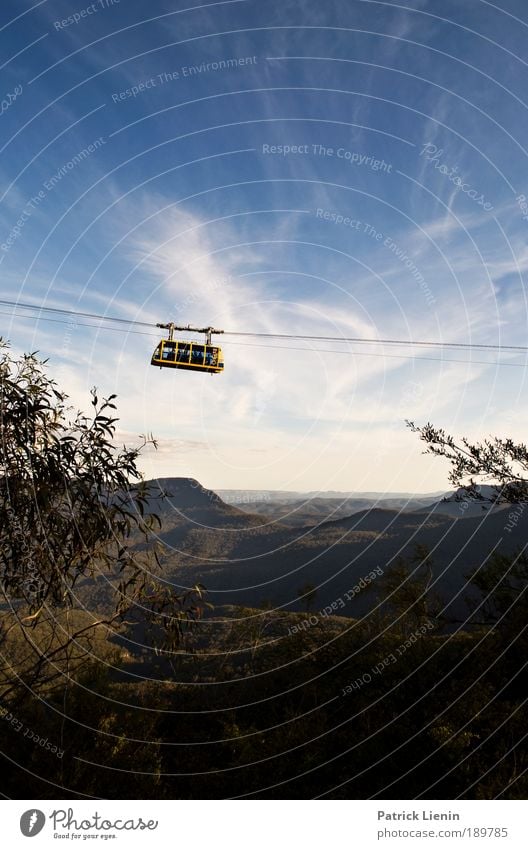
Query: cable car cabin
194	356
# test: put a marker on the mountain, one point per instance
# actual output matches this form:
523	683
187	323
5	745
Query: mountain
315	510
297	509
244	559
195	523
458	505
183	503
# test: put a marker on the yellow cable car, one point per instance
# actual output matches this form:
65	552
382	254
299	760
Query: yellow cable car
193	356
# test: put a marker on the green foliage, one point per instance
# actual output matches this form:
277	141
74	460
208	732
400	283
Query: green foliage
256	711
502	583
68	500
406	594
72	506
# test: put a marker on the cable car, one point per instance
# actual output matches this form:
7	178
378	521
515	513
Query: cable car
193	356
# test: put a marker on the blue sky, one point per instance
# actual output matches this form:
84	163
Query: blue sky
352	168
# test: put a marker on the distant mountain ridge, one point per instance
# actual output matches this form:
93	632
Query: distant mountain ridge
300	509
294	495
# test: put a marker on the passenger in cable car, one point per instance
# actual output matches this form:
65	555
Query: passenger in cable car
183	353
169	349
197	355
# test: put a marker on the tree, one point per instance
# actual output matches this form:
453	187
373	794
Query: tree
307	594
501	462
503	580
71	506
407	599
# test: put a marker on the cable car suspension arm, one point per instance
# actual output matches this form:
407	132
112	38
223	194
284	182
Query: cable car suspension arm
171	327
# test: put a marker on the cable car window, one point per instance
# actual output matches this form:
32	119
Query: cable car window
211	356
197	355
184	352
169	349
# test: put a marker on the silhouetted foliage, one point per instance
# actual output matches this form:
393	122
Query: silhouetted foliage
499	462
72	506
